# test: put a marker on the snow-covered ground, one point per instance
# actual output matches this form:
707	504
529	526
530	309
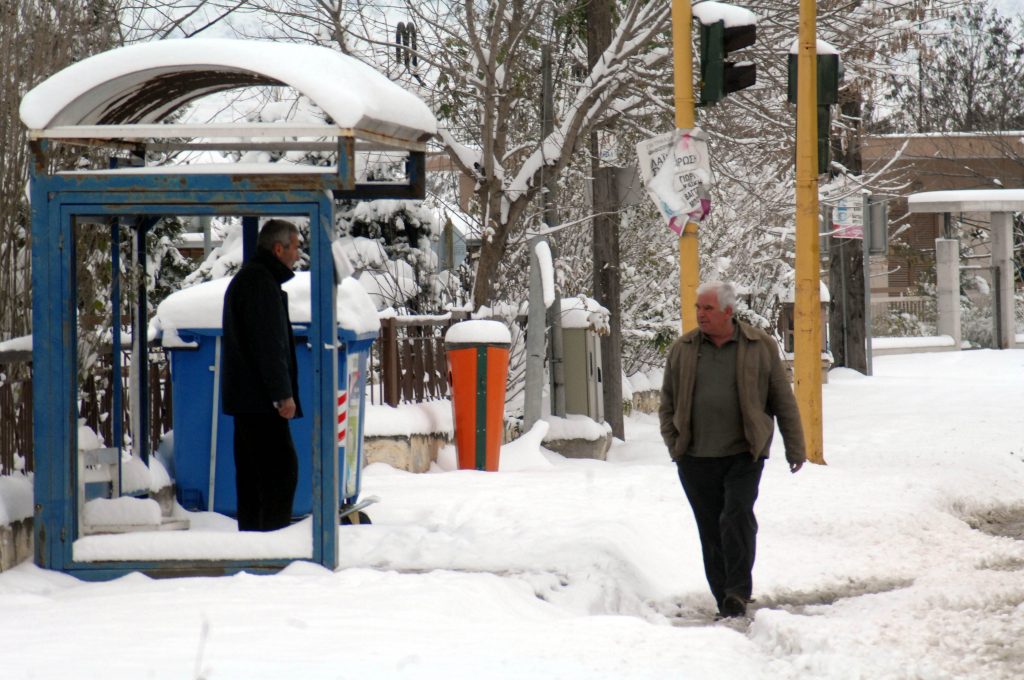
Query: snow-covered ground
867	567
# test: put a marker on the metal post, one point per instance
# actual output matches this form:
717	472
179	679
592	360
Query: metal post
1002	278
214	426
947	285
556	366
205	222
807	331
140	349
867	285
116	386
689	257
250	231
534	342
997	316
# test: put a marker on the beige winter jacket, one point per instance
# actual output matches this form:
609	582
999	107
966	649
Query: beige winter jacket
763	388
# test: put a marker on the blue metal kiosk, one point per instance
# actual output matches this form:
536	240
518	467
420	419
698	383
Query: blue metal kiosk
118	101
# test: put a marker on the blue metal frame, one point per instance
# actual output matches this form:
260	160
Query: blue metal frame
57	200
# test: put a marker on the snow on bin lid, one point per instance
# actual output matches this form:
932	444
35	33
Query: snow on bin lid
144	83
201	306
478	331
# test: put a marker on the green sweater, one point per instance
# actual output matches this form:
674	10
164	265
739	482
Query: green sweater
762	387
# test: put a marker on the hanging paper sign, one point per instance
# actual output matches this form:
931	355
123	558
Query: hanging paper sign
848	218
676	169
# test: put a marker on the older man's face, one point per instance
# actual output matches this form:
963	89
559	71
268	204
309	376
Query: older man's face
712	319
288	255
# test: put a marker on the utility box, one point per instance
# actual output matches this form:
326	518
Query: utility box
583	323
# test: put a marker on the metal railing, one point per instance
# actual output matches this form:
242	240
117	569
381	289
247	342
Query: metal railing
920	306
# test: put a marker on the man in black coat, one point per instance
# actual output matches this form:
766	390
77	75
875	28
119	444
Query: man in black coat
260	380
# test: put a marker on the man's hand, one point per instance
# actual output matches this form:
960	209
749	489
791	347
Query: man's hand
286	408
795	467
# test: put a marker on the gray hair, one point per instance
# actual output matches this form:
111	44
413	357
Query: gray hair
723	290
276	231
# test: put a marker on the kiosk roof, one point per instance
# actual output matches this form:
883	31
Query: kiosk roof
142	84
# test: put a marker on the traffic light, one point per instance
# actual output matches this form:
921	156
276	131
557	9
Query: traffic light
830	73
719	77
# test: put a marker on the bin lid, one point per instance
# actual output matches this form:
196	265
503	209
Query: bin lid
478	332
201	307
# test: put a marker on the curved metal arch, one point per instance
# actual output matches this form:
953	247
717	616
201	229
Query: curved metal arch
145	83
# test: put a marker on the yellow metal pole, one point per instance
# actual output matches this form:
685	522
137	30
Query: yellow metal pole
689	259
807	322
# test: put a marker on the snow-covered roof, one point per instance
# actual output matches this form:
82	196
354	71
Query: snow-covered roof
967	200
142	84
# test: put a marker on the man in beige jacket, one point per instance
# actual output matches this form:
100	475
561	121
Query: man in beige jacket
724	387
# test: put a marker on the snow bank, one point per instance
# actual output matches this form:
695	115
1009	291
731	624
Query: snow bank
918	342
575	426
124	511
404	420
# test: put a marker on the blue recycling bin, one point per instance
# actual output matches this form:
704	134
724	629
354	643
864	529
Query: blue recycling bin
204	435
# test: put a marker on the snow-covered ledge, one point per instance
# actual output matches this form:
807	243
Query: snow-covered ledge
408	436
913	345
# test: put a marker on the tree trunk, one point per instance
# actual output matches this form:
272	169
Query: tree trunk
607	293
606	234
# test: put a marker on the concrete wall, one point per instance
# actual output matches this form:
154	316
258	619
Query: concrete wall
412	454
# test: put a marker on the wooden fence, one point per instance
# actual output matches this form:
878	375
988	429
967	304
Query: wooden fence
15	411
95	404
407	364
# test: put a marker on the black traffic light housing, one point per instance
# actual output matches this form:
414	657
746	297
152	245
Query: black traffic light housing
830	74
719	77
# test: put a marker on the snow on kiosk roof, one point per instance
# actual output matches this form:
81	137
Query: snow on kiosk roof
128	90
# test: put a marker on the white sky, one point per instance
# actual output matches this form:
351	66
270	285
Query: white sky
1010	7
867	567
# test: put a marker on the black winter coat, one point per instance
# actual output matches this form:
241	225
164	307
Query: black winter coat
258	364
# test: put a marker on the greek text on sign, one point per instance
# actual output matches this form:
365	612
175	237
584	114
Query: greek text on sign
848	218
676	169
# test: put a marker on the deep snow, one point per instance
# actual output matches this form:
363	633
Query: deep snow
867	567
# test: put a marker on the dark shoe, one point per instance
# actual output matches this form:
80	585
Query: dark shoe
732	606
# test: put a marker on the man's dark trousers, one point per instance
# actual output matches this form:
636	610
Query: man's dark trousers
722	492
266	471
